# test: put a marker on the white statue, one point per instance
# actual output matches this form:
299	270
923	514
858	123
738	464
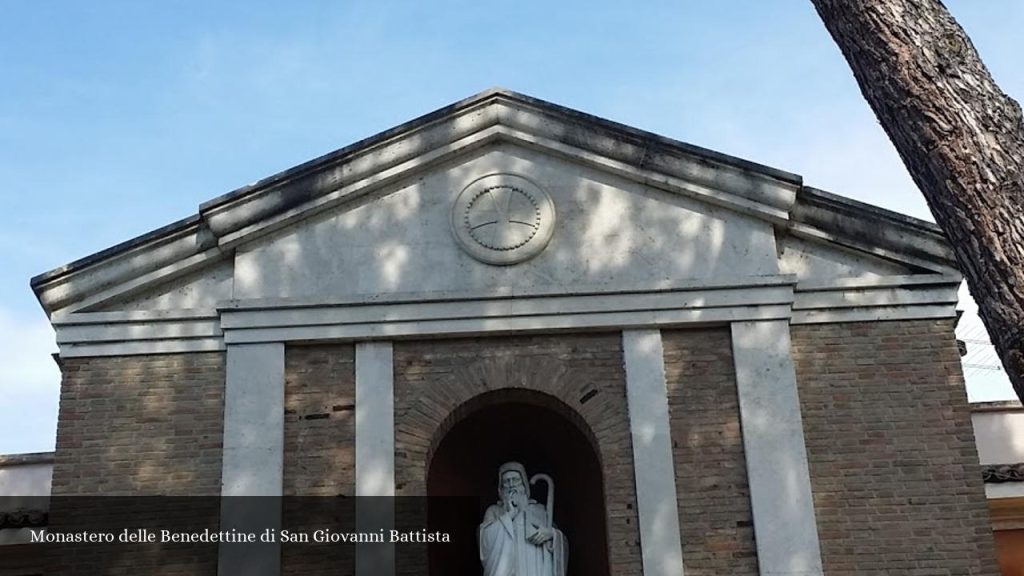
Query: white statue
517	536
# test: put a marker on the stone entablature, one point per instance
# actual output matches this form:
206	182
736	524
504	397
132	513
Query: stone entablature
452	313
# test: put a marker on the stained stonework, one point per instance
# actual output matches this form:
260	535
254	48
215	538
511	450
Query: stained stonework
707	449
893	465
585	372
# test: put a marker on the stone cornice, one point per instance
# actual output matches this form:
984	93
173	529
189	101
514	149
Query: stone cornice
999	406
26	459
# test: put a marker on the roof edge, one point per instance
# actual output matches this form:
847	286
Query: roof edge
26	459
644	135
997	406
302	184
884	213
494	93
172	229
205	223
877	230
357	146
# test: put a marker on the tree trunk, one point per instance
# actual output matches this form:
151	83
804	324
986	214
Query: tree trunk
960	137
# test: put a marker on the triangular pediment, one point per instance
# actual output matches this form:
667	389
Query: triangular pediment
376	217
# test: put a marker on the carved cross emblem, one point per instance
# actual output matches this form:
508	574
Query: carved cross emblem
502	217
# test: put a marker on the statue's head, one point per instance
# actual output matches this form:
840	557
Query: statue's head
512	479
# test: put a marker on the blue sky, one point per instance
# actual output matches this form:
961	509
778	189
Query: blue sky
119	117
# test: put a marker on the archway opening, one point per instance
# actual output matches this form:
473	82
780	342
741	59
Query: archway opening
535	432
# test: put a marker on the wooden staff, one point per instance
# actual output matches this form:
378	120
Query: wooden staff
551	495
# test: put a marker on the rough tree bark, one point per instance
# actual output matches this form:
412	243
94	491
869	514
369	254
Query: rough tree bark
960	137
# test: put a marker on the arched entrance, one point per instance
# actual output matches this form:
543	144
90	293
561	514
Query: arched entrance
543	434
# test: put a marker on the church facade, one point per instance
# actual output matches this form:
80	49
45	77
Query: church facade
721	370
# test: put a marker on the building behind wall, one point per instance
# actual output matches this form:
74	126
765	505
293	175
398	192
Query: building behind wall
651	323
999	430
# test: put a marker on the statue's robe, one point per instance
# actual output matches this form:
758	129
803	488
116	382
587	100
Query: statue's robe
505	550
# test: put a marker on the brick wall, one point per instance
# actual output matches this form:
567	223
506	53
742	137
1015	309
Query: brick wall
319	455
895	474
890	446
319	420
584	372
707	446
140	425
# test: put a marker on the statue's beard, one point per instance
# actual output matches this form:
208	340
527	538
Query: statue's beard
511	495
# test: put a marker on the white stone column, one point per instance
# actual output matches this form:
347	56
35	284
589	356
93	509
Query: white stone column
785	528
253	458
375	454
657	508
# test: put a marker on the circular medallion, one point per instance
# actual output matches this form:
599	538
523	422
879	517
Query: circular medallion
503	219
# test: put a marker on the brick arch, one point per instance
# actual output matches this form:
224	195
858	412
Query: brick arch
545	440
506	396
436	380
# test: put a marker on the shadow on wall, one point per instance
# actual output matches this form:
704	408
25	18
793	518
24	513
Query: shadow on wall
163	432
609	231
137	426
